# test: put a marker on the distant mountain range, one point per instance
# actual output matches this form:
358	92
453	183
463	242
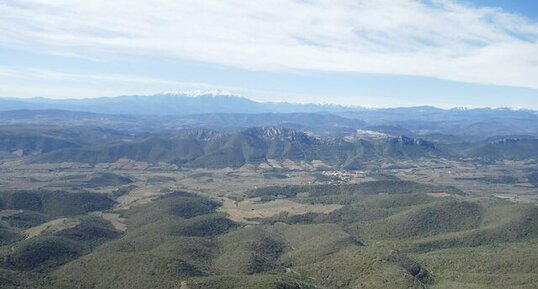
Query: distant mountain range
223	111
217	129
204	102
171	103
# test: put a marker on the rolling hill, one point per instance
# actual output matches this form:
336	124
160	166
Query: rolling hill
249	146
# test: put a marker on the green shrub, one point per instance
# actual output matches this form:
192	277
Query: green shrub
441	217
26	219
47	251
72	204
91	228
192	207
205	226
265	253
8	235
23	200
56	203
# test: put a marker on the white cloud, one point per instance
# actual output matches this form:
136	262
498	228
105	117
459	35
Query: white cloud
32	82
437	38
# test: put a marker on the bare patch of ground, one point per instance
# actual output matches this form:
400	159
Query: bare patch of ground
252	208
138	196
115	220
183	285
518	198
439	195
7	213
53	226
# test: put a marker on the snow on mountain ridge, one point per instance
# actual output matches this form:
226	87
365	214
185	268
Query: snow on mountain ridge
200	92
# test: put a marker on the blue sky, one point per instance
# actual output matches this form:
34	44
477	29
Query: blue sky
383	53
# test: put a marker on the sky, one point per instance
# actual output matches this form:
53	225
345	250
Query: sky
378	53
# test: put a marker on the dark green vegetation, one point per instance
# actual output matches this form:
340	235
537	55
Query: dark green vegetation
339	138
96	180
26	219
77	233
378	229
172	238
54	203
31	140
422	232
254	146
388	234
9	235
506	148
346	193
42	251
50	250
250	146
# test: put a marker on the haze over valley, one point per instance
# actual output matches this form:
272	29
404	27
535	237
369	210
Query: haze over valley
223	144
241	194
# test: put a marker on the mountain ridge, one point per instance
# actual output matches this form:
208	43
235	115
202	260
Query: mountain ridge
216	101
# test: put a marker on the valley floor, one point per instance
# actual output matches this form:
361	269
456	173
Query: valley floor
423	224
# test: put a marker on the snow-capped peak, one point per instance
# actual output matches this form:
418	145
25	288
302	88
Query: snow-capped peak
200	92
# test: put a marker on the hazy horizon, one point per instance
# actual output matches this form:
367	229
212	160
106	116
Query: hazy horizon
187	93
297	144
